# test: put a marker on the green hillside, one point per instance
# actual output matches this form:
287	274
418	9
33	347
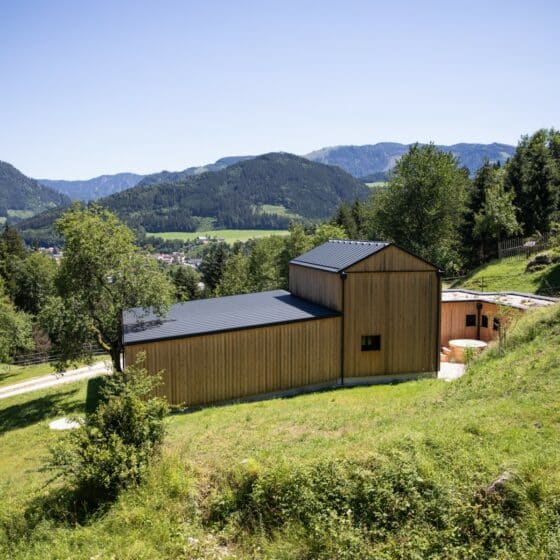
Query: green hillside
509	275
402	471
22	197
237	197
266	192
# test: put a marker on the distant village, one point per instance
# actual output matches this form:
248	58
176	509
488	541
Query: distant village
164	257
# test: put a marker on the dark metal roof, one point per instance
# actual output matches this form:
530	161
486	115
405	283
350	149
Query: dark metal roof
335	255
220	314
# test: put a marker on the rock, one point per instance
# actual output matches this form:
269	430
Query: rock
497	487
64	424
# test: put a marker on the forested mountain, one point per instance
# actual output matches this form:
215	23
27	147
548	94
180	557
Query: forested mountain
98	187
364	161
106	185
175	176
368	163
263	192
21	196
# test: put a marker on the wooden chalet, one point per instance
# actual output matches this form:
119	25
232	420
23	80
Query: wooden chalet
356	312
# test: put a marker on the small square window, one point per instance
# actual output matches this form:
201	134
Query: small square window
496	325
371	342
471	321
485	321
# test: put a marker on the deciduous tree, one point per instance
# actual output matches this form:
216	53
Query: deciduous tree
102	273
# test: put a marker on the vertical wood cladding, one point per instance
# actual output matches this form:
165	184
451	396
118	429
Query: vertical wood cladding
230	365
401	307
391	259
453	321
323	288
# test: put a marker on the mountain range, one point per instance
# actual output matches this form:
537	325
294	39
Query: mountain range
264	192
21	196
370	163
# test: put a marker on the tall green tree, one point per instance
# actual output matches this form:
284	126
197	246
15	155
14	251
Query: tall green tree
16	335
235	277
12	252
212	265
497	217
186	281
34	279
295	243
102	273
533	175
423	205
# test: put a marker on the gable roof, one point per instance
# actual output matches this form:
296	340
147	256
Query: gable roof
222	314
336	255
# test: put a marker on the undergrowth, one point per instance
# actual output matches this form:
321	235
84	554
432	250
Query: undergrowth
461	470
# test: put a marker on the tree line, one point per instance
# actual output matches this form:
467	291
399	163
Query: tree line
432	207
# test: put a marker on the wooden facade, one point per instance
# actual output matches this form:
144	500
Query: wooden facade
400	308
390	299
237	364
318	286
454	321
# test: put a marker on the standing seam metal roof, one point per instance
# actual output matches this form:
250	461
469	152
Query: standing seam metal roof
336	255
220	314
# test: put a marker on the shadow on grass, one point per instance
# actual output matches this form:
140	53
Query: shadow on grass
549	284
38	409
62	403
93	395
66	507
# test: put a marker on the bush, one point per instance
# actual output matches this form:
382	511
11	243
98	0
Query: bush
115	444
378	508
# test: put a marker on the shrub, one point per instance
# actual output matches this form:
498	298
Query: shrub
115	444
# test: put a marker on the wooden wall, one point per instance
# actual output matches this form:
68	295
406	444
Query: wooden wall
318	286
402	307
225	366
391	259
453	321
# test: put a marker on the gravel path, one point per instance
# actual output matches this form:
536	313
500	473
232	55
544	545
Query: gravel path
52	380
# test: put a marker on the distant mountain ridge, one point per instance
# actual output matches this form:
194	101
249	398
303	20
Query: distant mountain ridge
106	185
265	192
91	189
21	196
368	162
371	159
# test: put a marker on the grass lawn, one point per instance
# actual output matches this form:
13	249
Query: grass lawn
10	374
509	274
229	235
275	479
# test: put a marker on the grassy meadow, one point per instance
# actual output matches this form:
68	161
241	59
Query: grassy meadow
509	275
228	235
395	471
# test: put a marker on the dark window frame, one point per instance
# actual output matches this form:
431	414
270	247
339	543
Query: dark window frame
470	320
371	343
496	324
484	323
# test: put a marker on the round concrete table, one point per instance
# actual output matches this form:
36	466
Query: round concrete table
459	345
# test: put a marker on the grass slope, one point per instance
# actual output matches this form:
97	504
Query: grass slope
228	235
509	275
376	472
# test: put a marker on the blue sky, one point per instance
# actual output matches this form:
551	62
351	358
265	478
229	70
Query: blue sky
91	87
